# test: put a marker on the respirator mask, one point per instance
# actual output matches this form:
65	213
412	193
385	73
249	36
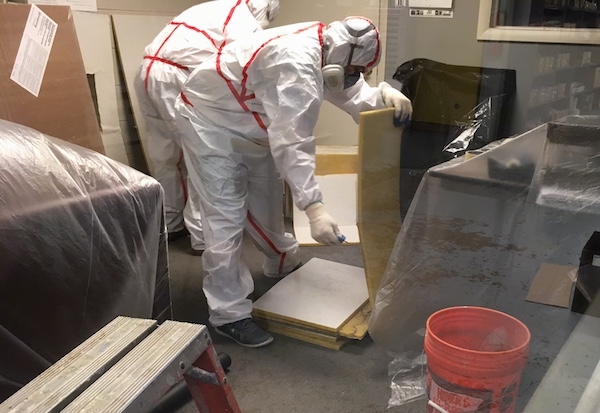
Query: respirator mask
336	79
333	77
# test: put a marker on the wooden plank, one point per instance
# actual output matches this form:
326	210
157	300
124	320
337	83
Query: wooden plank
336	159
330	341
378	192
267	315
357	327
321	294
354	329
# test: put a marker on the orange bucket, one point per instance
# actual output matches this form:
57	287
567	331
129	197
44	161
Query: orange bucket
475	357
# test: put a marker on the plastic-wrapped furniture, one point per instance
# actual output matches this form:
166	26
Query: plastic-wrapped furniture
82	240
477	233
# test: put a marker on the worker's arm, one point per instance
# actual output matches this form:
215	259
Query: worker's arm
290	91
361	97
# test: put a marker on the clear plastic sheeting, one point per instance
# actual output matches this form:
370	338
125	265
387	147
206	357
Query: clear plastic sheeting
407	374
569	171
478	231
474	130
82	240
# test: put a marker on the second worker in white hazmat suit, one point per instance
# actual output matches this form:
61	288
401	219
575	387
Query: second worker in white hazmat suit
188	40
247	117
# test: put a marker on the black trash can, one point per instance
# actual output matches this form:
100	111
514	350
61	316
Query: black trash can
455	109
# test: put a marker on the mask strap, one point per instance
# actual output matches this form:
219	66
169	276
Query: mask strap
352	47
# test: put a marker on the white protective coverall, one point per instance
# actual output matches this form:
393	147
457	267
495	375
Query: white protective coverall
247	116
183	44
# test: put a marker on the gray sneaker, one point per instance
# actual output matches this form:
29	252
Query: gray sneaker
246	333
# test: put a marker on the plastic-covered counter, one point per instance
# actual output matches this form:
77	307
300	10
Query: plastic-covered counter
82	240
477	233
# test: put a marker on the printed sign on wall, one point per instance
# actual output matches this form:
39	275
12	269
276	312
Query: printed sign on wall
431	13
34	51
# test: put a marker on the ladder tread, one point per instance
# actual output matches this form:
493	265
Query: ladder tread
142	376
71	375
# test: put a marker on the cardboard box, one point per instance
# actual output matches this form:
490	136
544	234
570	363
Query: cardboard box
553	285
64	107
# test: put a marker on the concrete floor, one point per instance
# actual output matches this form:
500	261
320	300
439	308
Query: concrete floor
289	375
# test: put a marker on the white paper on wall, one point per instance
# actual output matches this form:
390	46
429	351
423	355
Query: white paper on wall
34	51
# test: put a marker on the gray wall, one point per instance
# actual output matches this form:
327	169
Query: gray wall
451	41
454	41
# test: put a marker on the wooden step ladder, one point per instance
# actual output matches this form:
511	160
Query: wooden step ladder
128	366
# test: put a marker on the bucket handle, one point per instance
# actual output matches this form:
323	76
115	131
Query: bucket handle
436	407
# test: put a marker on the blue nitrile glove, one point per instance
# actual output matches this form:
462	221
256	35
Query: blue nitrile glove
399	123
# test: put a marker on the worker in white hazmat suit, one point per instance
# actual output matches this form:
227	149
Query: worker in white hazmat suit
183	44
247	117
